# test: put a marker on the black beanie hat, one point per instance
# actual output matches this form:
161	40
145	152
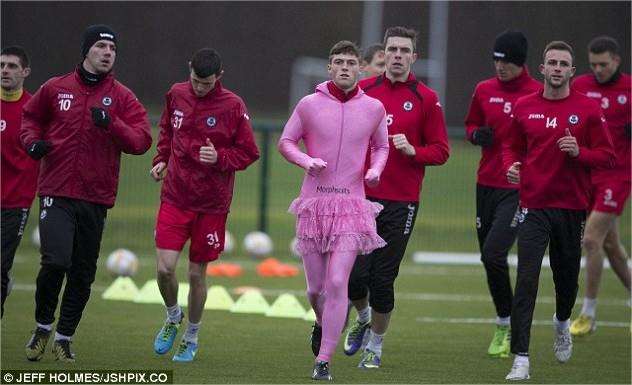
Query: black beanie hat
95	33
511	46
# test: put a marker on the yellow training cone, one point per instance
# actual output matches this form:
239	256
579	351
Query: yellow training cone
286	306
149	293
183	294
122	289
217	298
251	302
310	315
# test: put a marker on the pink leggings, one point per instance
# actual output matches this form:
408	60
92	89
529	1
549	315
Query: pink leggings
327	278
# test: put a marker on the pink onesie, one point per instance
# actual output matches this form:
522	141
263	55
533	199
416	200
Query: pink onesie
335	221
332	211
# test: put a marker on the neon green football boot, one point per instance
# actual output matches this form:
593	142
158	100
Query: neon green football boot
499	347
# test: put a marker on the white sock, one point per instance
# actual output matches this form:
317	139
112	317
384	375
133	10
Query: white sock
174	313
364	315
375	343
191	335
503	321
59	337
47	327
521	360
561	325
589	307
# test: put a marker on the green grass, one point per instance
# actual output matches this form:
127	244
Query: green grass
239	348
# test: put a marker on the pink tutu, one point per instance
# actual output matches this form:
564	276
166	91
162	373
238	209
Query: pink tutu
327	224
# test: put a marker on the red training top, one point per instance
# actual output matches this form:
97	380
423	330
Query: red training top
614	98
491	106
550	178
186	122
414	110
19	172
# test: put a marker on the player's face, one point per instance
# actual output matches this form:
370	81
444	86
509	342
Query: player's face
12	72
100	57
603	65
557	68
202	86
344	70
376	67
506	71
399	56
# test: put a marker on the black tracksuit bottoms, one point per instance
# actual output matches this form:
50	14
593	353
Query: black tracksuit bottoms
374	274
496	227
13	223
561	230
70	233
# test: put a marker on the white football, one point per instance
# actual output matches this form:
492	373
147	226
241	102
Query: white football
35	238
258	244
122	262
293	251
229	242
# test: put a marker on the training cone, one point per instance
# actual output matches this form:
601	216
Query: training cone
217	298
310	315
251	302
149	293
183	294
286	306
122	289
224	270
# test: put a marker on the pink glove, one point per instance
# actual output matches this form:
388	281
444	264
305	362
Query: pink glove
372	177
314	166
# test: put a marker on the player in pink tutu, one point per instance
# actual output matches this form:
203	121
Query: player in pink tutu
338	125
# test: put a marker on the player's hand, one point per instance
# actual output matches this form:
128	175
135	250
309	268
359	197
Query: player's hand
38	149
100	117
158	171
483	136
208	154
568	144
401	143
513	174
372	178
314	166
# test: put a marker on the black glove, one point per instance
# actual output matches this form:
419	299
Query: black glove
483	136
626	129
100	117
38	149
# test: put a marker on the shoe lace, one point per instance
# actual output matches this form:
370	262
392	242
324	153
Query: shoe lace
370	356
356	330
167	331
65	348
182	348
499	336
37	341
323	367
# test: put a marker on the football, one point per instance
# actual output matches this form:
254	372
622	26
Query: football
122	262
258	244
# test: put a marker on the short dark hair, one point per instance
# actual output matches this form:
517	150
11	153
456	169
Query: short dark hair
344	47
560	46
370	51
18	51
408	33
206	62
603	44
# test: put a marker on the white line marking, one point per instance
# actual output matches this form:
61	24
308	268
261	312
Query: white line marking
429	297
493	320
440	258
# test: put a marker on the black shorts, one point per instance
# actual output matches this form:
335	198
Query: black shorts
375	273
